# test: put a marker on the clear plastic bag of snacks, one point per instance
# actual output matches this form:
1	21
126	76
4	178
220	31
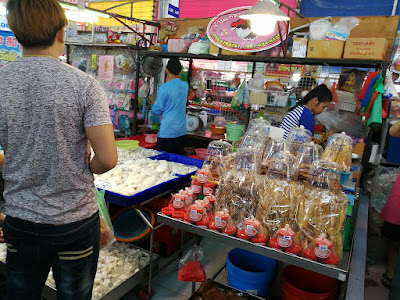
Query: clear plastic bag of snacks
248	159
214	160
254	140
259	124
179	203
297	137
237	195
323	250
322	209
339	150
274	146
280	194
285	239
308	153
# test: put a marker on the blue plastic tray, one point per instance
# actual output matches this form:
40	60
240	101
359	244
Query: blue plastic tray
145	195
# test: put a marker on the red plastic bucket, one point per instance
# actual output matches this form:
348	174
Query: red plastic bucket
300	284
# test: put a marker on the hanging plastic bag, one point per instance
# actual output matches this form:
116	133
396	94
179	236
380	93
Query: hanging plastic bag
242	97
256	84
190	268
341	30
106	228
390	90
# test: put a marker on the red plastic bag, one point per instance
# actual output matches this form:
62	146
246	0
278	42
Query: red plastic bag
190	268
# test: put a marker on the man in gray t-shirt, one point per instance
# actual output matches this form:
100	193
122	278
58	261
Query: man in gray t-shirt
49	112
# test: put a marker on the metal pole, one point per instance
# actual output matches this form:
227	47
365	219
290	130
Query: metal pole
93	31
151	260
135	101
394	7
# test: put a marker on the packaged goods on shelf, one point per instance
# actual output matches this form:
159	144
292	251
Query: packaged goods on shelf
217	156
308	153
339	150
280	194
274	146
322	212
298	136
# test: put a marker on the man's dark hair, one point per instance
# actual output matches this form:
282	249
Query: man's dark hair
174	66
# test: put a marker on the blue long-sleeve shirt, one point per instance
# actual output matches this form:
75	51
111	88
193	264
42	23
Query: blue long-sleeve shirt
171	103
301	115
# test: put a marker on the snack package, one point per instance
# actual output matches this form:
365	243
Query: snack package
285	240
249	229
297	137
339	150
214	161
322	209
274	146
190	267
321	249
259	124
179	203
106	228
308	153
280	194
256	140
237	195
248	160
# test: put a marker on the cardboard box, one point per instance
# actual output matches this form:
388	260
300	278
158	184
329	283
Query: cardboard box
258	98
299	48
325	49
366	48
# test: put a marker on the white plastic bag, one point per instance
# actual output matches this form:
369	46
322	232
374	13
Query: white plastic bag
257	83
341	30
319	29
200	47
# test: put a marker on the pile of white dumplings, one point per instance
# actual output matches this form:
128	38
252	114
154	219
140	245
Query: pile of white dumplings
139	152
134	176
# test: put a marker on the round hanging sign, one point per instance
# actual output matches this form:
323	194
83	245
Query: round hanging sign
228	31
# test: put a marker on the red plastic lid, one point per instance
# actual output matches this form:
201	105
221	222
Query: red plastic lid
273	243
211	225
331	260
211	198
178	214
294	249
309	253
196	207
229	230
253	222
242	234
323	242
286	231
222	214
259	239
195	182
167	211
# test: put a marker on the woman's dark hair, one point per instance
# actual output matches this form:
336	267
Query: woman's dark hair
174	66
321	92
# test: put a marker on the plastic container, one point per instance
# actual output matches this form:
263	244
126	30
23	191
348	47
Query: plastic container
217	130
127	144
220	122
201	153
234	131
250	272
300	284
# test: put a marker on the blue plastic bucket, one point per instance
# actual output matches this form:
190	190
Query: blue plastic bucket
250	272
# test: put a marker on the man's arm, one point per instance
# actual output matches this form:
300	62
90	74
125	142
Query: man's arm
105	152
395	130
158	106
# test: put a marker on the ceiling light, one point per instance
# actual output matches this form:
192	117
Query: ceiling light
263	17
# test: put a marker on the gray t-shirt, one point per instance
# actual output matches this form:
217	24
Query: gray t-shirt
45	106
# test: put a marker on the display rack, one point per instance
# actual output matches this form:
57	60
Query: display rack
347	269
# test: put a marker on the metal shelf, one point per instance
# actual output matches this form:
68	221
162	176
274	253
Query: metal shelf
337	273
280	60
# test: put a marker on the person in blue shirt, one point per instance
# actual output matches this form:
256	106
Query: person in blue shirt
171	105
312	104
